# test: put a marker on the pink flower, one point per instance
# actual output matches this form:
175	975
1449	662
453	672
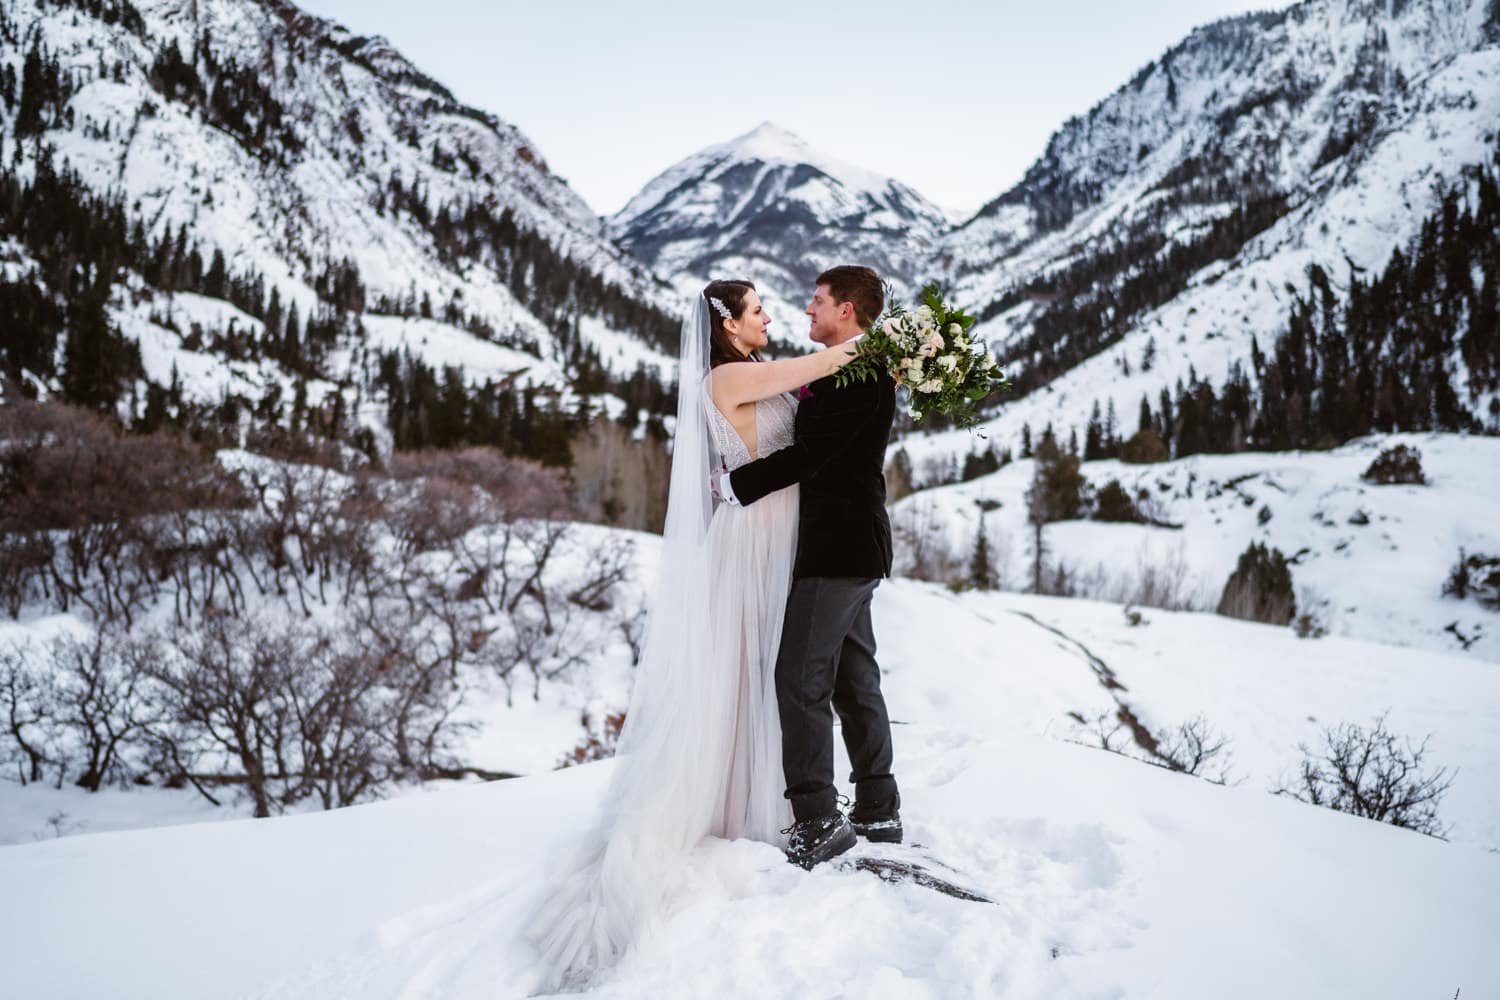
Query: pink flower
803	392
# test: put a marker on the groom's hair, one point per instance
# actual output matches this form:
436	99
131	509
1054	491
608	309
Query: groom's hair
859	286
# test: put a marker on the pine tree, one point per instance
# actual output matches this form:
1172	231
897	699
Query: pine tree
982	574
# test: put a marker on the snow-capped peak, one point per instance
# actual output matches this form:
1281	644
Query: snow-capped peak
768	206
770	143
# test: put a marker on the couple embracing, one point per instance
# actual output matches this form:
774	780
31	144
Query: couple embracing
776	538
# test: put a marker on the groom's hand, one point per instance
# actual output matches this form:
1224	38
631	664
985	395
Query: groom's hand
720	488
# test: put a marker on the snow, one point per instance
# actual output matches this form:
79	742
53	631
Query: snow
771	143
441	345
1381	580
1110	878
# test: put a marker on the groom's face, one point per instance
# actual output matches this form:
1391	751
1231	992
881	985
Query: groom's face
828	317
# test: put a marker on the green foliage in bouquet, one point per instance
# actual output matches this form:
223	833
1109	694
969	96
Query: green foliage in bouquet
927	350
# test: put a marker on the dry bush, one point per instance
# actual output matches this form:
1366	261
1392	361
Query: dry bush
31	734
454	566
1163	581
102	702
1195	748
1192	747
82	505
600	739
520	488
621	480
285	713
1372	773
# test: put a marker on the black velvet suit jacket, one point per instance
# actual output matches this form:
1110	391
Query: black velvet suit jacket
838	455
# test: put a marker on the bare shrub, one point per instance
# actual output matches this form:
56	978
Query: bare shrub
521	488
81	507
920	534
1372	773
601	736
285	713
1155	581
31	731
620	479
102	701
1194	747
226	719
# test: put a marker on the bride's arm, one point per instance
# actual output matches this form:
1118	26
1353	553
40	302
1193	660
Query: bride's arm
742	383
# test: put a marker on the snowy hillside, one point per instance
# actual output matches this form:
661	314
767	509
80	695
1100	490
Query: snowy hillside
325	168
768	207
1100	867
1191	203
1369	561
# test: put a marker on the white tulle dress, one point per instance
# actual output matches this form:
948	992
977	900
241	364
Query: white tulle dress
700	754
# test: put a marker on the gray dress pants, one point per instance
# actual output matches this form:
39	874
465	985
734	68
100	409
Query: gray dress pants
827	656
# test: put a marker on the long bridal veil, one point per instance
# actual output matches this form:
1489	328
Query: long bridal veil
663	793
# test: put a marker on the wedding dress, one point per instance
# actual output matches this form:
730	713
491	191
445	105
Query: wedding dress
700	752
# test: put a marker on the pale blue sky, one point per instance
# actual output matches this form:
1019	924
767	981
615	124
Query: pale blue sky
955	99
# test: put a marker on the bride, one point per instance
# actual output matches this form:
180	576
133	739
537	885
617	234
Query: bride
700	753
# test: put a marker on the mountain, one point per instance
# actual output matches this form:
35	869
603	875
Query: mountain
264	200
768	207
1265	168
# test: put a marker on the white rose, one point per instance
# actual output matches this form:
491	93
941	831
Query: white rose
891	328
924	313
949	361
955	330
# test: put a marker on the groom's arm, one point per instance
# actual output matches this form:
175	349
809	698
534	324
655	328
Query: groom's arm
818	439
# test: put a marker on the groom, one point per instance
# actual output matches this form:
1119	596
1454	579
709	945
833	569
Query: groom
827	650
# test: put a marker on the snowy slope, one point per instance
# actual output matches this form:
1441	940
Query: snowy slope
356	121
1380	580
1359	113
769	207
1111	878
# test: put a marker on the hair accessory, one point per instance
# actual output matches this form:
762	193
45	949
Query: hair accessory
719	307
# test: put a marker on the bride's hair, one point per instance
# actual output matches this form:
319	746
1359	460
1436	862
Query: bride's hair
731	295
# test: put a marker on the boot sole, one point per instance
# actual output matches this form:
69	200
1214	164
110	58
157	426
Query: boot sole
838	845
881	836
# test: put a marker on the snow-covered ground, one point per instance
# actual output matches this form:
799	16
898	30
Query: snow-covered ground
1369	561
1111	878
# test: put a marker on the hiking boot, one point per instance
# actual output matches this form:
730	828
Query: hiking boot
878	822
814	841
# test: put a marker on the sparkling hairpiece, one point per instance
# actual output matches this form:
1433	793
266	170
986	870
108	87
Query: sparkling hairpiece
719	307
